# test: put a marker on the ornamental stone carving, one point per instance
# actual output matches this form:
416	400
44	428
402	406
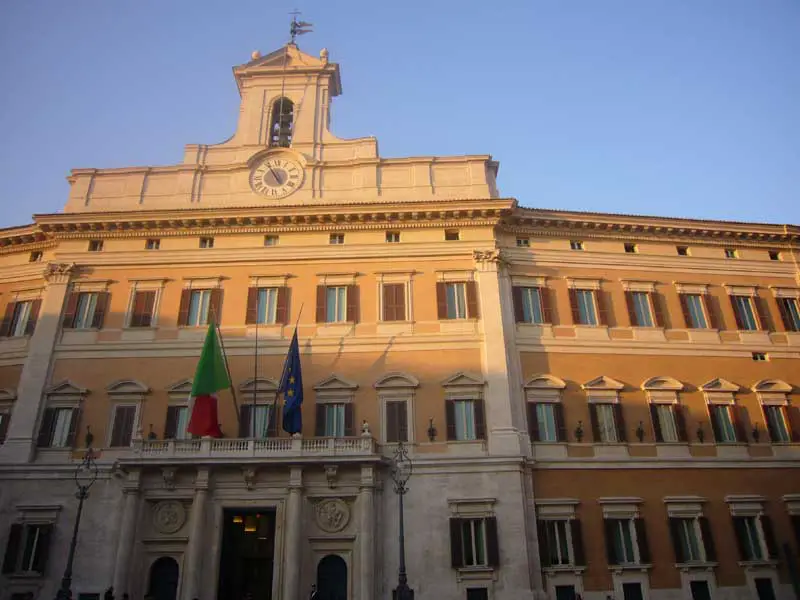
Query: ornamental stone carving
59	272
169	516
489	259
333	515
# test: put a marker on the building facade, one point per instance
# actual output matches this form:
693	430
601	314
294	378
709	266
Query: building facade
595	405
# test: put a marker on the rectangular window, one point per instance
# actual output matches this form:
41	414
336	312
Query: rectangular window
36	256
394	302
199	303
790	313
57	428
122	427
631	248
749	538
464	412
731	253
206	242
477	594
143	308
532	305
576	245
696	317
20	317
177	422
456	300
27	548
473	542
682	250
665	418
547	428
606	423
334	420
260	421
745	315
336	238
267	305
623	536
759	356
5	418
451	235
153	244
774	255
587	314
557	543
523	242
392	237
722	421
640	302
84	313
396	421
689	540
270	240
775	416
336	304
95	245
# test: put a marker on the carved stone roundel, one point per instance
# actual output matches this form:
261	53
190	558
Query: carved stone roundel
169	516
333	515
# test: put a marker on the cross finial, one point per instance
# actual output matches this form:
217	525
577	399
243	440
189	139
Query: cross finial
298	27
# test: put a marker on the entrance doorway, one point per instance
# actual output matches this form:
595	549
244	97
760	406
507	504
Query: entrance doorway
332	578
248	554
164	576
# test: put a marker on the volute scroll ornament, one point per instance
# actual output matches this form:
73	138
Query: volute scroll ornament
59	272
493	257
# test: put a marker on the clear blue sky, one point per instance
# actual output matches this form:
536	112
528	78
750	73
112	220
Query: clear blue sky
666	107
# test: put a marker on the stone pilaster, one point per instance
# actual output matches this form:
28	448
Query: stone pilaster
127	532
193	561
21	437
366	533
292	556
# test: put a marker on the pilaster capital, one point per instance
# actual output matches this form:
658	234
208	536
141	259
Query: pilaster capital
132	483
489	260
367	482
201	481
295	478
59	273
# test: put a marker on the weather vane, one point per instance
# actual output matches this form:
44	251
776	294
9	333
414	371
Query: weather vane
298	27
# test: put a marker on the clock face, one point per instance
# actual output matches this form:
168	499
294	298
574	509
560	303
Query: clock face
276	177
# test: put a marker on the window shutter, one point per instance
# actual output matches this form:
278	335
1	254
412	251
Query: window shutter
708	539
456	544
473	312
714	424
545	295
480	419
245	421
687	317
736	315
713	310
42	548
402	421
441	299
13	548
610	531
322	304
577	542
282	306
183	311
533	422
773	435
561	425
137	310
619	422
120	434
215	306
394	302
8	318
573	304
71	307
764	317
595	423
631	309
274	418
786	319
251	316
674	533
516	297
544	550
680	422
641	536
796	527
450	417
492	546
319	425
74	421
349	420
740	531
739	414
36	305
769	536
171	424
143	305
46	429
5	417
659	310
793	422
352	303
603	307
656	424
100	310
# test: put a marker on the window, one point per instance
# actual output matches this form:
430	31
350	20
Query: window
457	300
394	302
152	244
36	256
693	312
257	421
557	542
473	542
585	307
393	237
528	300
95	245
282	126
775	418
396	421
523	242
639	309
177	422
206	242
334	419
731	253
5	419
266	305
631	248
626	542
575	245
546	422
790	313
85	310
604	422
682	250
759	357
122	426
336	238
20	318
477	593
754	537
199	303
774	255
58	427
270	240
744	313
722	423
688	538
465	420
27	549
143	308
668	423
337	304
451	235
336	299
199	306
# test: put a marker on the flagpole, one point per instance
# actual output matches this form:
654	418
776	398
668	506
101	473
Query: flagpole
255	366
227	366
275	404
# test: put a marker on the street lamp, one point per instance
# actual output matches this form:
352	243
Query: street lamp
85	476
401	472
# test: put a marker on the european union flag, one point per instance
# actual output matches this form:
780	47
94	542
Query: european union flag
292	387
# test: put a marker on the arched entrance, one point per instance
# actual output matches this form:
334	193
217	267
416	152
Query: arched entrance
332	578
163	579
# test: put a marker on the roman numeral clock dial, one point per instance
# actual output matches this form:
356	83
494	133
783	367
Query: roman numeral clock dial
276	177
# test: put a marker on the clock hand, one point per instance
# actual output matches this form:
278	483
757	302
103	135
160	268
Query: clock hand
274	174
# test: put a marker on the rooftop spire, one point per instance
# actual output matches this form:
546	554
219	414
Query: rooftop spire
298	27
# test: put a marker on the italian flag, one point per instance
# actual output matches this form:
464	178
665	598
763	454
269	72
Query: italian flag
211	376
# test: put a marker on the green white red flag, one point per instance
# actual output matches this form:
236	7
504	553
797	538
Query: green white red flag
211	377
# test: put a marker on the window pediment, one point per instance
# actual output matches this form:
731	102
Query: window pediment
396	381
663	383
774	386
603	383
7	395
127	386
720	385
261	385
66	388
334	383
545	381
184	386
463	380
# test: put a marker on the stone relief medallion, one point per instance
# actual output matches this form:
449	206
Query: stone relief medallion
333	515
169	516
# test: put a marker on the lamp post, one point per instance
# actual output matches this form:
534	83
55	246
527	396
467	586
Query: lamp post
401	472
85	476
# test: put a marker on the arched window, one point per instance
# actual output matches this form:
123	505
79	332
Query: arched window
280	131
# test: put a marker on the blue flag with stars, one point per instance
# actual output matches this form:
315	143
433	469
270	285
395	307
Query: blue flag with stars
291	385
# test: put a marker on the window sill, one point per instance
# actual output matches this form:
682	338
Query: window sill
25	575
477	573
758	564
576	569
696	566
643	568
